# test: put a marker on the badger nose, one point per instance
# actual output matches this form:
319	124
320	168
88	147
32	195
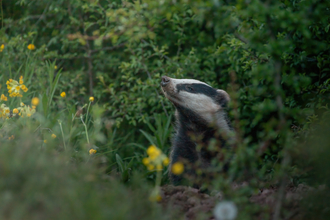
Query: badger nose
165	80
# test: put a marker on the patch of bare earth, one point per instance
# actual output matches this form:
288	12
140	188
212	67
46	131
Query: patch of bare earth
197	205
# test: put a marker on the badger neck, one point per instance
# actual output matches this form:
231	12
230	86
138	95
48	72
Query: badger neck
193	124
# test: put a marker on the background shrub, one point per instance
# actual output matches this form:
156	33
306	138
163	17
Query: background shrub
272	58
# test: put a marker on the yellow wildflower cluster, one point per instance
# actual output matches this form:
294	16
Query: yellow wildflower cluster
16	89
156	159
25	110
2	47
3	98
4	111
11	137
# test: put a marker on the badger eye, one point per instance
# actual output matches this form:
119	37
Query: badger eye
189	88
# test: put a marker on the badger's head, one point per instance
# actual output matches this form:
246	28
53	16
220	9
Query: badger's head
198	102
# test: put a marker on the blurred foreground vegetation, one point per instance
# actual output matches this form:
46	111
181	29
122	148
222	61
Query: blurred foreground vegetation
81	158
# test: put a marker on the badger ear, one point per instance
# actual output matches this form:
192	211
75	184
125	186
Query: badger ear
223	97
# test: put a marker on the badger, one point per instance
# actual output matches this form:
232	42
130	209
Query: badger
201	115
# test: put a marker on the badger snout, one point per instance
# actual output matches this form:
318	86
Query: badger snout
169	89
165	81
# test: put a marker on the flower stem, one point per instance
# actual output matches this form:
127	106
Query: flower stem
62	134
158	178
81	117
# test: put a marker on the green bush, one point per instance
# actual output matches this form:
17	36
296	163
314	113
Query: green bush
271	56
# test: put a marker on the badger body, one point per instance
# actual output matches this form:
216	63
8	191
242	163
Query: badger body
200	117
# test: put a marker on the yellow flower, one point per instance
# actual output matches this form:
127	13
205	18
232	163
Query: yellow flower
15	89
151	149
92	151
55	67
21	80
151	167
11	137
31	47
35	101
22	104
177	168
166	161
26	110
91	99
45	141
2	47
53	136
156	159
15	111
63	94
153	152
145	161
4	111
3	97
24	88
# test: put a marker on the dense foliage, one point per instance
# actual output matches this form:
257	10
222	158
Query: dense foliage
271	56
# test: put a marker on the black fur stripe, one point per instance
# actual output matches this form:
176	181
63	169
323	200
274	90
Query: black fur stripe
197	88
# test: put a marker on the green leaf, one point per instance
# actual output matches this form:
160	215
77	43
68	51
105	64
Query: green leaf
148	136
120	163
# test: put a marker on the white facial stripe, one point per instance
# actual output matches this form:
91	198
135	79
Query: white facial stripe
205	107
199	103
186	81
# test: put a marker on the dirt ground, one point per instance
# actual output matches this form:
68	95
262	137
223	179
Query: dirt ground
197	205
